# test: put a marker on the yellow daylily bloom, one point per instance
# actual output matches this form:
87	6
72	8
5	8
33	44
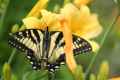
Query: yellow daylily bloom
81	21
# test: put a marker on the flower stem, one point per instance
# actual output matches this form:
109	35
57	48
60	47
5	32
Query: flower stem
11	56
101	43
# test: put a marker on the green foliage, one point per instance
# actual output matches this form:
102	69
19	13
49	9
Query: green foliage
35	75
13	11
62	74
3	9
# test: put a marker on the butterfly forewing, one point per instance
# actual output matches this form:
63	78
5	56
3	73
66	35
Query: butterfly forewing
29	39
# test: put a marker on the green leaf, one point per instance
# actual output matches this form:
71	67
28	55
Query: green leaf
35	75
63	74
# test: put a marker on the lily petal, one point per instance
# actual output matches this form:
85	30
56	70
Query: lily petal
51	20
33	23
81	21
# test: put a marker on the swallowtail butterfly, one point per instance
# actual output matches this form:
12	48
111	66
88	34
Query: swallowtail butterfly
45	49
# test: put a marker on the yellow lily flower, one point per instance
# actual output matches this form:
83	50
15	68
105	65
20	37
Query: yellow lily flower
33	23
81	21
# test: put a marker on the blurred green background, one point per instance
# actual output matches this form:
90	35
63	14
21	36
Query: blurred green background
13	11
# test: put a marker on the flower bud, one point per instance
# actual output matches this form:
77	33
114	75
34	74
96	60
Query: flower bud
6	72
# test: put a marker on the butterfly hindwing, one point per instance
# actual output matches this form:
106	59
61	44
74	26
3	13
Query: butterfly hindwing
80	45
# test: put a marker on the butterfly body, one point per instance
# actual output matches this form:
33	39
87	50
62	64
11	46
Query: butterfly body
44	49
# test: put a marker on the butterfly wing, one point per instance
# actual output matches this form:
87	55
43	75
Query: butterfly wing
29	41
57	44
80	45
55	51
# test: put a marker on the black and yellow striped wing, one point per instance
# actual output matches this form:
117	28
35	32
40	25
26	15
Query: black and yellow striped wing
45	50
